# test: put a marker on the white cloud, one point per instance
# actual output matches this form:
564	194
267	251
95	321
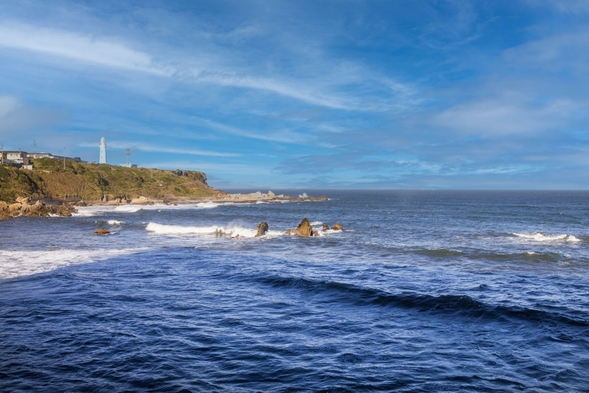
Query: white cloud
160	149
75	46
281	136
564	6
504	117
17	117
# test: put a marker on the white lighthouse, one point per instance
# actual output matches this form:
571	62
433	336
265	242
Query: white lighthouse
102	151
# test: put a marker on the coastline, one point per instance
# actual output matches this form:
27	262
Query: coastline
45	207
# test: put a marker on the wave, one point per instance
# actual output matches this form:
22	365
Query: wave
24	263
528	256
541	237
89	211
450	305
162	229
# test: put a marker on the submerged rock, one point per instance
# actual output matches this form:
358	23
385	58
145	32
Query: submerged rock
102	231
325	227
337	227
262	228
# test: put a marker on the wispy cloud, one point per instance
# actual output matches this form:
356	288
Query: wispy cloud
76	46
284	136
17	117
146	147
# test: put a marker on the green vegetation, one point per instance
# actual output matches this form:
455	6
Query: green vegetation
94	181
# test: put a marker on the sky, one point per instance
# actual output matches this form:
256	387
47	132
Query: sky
396	94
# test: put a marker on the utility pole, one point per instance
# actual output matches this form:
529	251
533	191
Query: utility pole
129	158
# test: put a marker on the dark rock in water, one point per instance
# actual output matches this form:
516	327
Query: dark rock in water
80	203
325	227
262	228
304	228
337	227
102	231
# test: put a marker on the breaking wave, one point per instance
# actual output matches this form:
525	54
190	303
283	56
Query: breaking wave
541	237
162	229
24	263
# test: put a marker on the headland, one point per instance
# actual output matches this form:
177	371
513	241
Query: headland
55	187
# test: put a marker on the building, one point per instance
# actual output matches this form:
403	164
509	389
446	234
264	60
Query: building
23	158
54	156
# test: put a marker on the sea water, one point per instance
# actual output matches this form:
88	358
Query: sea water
422	291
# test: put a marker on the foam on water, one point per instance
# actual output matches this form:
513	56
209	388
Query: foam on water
24	263
90	211
541	237
231	231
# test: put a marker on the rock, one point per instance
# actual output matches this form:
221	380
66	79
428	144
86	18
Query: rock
102	231
325	227
316	233
80	203
337	227
22	200
262	228
271	194
304	228
3	205
64	211
141	201
15	207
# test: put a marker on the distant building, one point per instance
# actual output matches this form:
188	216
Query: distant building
54	156
22	157
102	151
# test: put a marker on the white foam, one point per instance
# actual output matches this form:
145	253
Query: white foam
316	223
115	222
230	231
540	237
89	211
23	263
207	205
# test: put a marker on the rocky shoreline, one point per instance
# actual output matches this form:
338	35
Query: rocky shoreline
25	206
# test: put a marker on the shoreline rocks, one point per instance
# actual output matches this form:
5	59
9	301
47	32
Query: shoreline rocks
22	207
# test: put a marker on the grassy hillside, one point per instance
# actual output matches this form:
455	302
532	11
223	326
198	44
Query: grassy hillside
94	181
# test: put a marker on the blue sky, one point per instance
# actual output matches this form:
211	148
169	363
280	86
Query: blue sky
307	94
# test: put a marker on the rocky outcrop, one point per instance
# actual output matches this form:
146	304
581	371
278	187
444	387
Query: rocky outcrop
337	227
102	231
262	229
304	229
141	201
37	209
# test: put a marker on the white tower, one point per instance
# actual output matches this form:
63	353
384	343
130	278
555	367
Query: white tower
102	151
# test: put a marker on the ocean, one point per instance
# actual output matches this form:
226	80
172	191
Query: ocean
422	291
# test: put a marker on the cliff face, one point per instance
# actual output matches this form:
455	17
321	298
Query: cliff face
93	182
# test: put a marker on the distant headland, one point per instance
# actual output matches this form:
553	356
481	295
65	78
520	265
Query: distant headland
47	186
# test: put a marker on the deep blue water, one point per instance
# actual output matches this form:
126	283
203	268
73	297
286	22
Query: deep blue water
423	291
